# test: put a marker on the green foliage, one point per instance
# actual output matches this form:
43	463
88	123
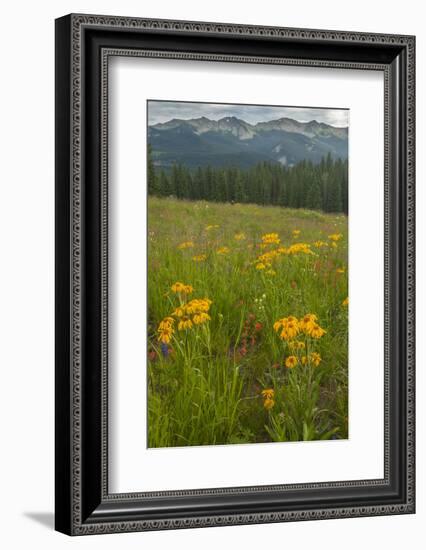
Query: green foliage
305	185
153	183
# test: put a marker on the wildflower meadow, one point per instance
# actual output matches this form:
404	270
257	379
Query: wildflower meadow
247	323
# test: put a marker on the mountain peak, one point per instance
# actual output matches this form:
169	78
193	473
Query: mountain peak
231	118
244	130
232	141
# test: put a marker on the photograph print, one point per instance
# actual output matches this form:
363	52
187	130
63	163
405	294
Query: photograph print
247	273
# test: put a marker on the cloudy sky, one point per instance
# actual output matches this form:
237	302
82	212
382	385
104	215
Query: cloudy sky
162	111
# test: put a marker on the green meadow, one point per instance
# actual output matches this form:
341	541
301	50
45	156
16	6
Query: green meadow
247	324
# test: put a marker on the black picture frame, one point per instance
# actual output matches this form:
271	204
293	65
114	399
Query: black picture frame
83	46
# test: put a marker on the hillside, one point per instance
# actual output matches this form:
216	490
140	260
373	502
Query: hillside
231	141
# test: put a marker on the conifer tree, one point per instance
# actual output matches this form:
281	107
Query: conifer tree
151	174
319	187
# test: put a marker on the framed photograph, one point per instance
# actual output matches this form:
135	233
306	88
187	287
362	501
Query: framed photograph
234	274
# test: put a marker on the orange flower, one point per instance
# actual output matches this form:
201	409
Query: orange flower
291	361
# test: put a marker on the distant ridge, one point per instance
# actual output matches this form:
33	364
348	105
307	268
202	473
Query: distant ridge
233	141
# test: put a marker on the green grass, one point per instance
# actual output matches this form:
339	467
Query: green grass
204	387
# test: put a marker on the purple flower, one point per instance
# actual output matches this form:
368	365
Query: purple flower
164	349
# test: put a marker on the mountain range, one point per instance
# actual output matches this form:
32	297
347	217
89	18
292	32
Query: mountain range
231	141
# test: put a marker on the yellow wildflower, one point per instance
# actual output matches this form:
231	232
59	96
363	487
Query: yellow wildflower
320	244
288	327
186	244
268	396
194	307
345	301
210	227
193	313
304	360
296	233
268	404
223	250
166	322
291	361
317	331
165	330
299	248
271	273
165	336
199	258
335	237
239	236
340	270
268	393
270	238
184	324
308	324
315	358
200	318
181	288
265	260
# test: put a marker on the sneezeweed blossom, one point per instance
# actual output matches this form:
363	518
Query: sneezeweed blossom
165	330
268	398
296	233
299	248
268	393
308	324
271	238
223	250
185	245
320	244
290	327
195	312
199	258
345	301
287	327
291	361
268	404
193	307
181	288
335	237
317	332
266	259
315	358
187	315
184	324
200	318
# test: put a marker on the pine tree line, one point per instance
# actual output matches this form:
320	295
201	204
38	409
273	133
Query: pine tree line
318	187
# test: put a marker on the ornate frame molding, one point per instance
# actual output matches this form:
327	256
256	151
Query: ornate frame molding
75	27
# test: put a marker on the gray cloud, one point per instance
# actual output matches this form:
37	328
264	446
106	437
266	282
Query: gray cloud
162	111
